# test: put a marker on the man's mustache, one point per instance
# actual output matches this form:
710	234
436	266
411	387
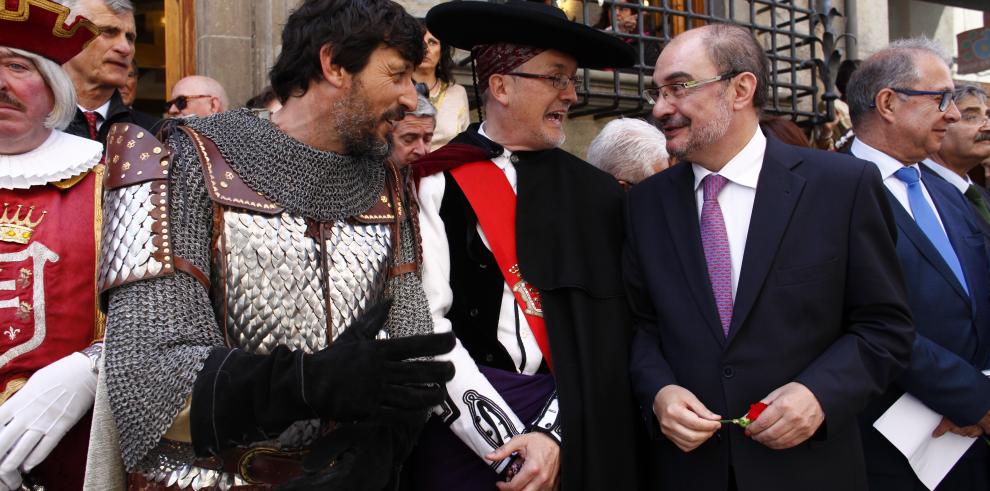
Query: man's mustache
9	100
983	136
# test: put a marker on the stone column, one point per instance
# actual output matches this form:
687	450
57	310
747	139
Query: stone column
237	42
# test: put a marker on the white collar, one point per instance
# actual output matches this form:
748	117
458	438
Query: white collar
888	165
955	179
102	110
743	168
502	161
60	157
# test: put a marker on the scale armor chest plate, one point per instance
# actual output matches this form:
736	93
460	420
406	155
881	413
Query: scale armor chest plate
285	281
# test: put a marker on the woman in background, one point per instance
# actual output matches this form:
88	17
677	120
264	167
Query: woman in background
449	98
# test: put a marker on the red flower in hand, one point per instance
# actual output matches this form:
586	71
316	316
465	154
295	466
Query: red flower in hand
754	412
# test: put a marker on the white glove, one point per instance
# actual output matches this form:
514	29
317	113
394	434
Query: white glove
36	418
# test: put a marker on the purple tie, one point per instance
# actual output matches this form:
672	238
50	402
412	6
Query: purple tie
715	241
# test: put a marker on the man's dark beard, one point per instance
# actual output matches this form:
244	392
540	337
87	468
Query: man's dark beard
356	123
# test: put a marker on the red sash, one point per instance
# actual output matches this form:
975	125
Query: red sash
494	203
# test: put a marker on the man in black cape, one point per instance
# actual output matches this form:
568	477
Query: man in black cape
521	244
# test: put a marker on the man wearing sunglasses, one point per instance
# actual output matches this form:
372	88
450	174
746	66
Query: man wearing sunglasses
901	103
757	272
101	69
197	95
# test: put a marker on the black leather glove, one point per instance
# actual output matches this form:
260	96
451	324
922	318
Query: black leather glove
240	397
359	376
362	456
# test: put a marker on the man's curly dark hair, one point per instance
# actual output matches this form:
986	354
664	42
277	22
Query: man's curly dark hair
352	28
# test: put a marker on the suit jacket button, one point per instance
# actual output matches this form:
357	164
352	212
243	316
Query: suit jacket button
473	313
727	372
482	265
514	159
489	357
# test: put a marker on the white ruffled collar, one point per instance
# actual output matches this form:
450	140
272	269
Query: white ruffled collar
61	156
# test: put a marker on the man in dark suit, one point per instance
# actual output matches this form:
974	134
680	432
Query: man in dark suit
101	69
757	271
901	104
966	145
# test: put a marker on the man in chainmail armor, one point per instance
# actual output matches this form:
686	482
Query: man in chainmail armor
253	268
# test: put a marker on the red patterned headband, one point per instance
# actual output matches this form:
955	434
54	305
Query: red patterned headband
501	58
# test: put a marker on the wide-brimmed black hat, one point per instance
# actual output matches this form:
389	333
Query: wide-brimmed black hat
468	23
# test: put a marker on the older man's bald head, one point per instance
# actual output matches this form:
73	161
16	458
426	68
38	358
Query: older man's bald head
197	95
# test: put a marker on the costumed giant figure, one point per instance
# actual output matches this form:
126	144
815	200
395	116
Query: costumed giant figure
244	264
521	246
50	187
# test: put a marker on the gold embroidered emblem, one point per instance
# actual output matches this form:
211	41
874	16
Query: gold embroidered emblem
131	143
228	175
144	155
126	167
25	278
530	296
24	311
16	229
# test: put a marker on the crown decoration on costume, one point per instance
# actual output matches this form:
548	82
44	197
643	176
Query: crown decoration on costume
16	229
39	26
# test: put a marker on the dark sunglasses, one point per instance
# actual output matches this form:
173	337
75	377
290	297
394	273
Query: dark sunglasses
182	101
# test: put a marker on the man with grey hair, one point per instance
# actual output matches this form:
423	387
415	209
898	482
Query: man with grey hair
101	69
966	145
901	103
197	95
411	136
50	187
629	149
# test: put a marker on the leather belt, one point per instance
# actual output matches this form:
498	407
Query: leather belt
258	465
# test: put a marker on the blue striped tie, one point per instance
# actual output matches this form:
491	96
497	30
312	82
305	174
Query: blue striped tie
925	217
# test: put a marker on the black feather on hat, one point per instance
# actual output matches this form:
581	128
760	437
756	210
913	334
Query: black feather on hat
468	23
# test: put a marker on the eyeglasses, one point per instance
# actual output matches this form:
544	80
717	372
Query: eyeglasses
944	96
678	90
560	82
182	101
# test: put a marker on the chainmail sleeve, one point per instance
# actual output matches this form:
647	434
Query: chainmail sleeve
161	330
410	314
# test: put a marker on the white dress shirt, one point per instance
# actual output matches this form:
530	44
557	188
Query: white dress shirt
436	283
888	166
736	198
102	111
950	176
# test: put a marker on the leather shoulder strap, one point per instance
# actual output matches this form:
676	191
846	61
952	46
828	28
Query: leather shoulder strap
223	184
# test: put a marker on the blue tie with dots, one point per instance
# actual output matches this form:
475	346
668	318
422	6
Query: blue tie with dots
925	217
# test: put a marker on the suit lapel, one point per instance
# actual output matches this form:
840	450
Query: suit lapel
909	229
681	211
777	193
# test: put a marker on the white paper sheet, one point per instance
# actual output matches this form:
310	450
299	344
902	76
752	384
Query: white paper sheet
909	424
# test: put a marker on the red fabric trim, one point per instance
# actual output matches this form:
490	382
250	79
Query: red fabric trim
494	203
445	158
